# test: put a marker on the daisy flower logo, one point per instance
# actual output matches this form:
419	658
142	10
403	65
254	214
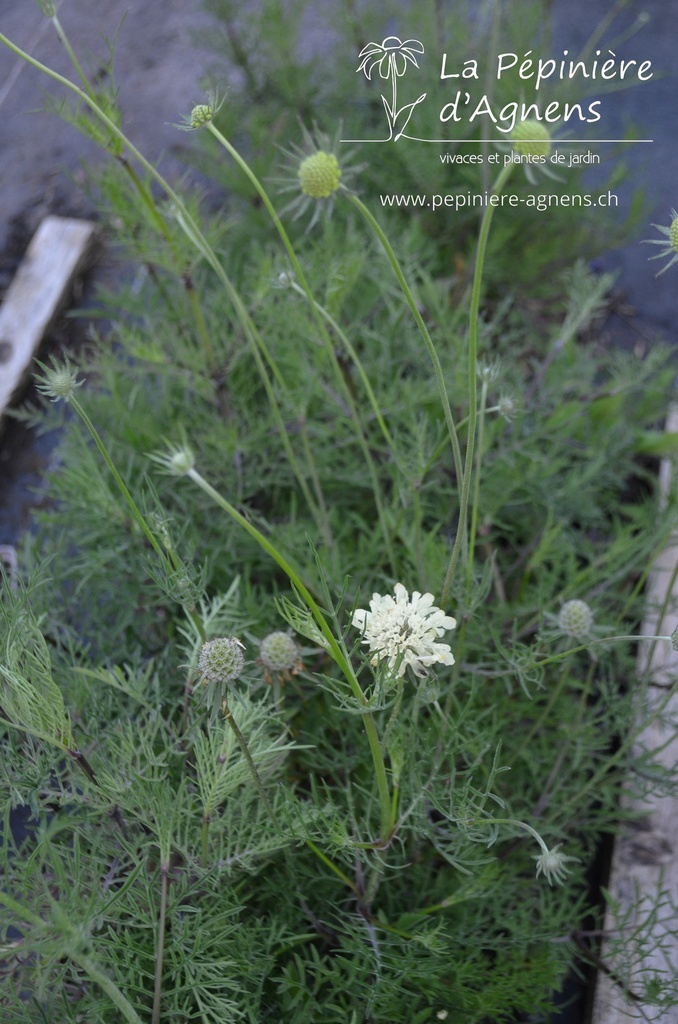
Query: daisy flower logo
390	59
405	632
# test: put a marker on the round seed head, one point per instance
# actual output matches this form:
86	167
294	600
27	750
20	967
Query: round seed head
506	407
222	660
278	652
575	619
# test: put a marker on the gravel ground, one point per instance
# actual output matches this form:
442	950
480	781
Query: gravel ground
649	111
157	67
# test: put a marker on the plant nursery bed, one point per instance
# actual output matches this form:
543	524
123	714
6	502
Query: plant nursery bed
336	650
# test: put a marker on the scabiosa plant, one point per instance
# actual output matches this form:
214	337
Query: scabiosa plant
669	244
178	461
405	632
202	113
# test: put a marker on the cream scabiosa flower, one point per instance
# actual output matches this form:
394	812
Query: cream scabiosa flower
405	631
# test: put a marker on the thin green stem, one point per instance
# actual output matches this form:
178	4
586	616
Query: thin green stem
160	944
593	643
486	222
287	568
63	39
139	518
200	324
146	198
122	487
333	867
317	313
387	822
374	478
510	821
262	355
108	986
546	710
419	320
204	835
475	506
333	647
341	334
242	743
85	962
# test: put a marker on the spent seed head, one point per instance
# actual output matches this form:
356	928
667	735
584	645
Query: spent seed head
575	619
222	660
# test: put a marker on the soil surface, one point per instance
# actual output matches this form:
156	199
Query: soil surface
646	30
158	68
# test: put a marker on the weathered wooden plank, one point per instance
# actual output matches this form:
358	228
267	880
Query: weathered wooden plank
645	859
39	289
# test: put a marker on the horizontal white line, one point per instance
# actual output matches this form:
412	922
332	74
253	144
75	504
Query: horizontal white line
458	142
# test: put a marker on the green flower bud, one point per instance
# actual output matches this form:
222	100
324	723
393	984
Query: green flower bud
531	138
181	461
553	865
59	383
200	115
673	233
319	175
